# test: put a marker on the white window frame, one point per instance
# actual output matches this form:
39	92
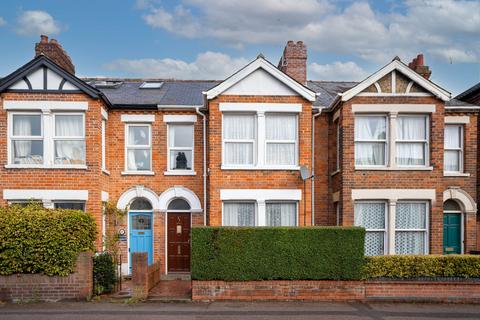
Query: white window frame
297	217
169	149
337	165
385	230
295	142
127	147
104	145
65	138
12	138
427	225
386	141
252	141
255	206
426	141
460	150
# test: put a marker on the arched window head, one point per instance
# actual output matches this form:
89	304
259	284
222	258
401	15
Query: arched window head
178	204
140	204
451	205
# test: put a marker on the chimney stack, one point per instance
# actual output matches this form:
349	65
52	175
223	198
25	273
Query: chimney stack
418	65
294	61
55	52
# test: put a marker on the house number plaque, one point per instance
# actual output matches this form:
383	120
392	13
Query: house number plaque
179	229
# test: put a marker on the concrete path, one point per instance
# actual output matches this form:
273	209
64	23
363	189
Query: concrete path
237	310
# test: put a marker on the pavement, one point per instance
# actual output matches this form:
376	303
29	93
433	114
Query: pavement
237	310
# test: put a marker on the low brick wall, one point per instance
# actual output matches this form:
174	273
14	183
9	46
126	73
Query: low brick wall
408	290
144	277
39	287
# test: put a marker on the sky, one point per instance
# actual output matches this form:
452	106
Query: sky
211	39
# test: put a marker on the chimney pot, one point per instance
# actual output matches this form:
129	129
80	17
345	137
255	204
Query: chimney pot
54	41
418	65
43	38
419	60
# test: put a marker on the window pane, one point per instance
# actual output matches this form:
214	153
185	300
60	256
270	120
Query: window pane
138	135
140	204
178	204
411	128
451	161
453	137
281	153
370	215
27	125
281	214
70	152
374	243
69	125
70	205
181	160
371	128
410	242
370	153
281	127
180	135
410	215
411	154
239	214
239	126
138	159
27	152
141	222
238	153
451	205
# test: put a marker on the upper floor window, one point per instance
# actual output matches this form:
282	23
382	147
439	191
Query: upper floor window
412	140
69	139
180	147
453	159
371	140
104	145
27	139
239	139
139	147
281	139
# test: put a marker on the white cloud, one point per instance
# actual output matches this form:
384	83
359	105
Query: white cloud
2	22
347	71
207	65
430	26
36	22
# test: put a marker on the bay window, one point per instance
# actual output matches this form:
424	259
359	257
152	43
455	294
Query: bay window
69	139
180	147
281	139
412	140
27	139
239	213
371	140
138	147
453	145
372	216
239	136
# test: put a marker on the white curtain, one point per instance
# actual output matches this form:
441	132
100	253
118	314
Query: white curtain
138	135
68	126
69	151
281	153
27	151
371	216
410	154
281	214
410	216
453	146
370	128
238	127
281	127
138	159
411	128
239	214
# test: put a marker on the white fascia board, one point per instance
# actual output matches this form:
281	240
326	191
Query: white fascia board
261	194
397	65
105	196
261	107
138	118
45	105
399	108
179	118
457	119
26	194
250	68
393	194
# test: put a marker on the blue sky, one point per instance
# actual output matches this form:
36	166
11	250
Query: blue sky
210	39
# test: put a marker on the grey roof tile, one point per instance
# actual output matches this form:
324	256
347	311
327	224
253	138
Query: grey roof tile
329	90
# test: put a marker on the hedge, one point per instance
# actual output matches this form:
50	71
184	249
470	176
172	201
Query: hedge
277	253
408	267
38	240
104	273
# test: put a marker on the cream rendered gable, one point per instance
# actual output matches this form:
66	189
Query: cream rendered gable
260	83
41	79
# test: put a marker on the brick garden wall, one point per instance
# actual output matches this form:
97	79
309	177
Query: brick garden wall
39	287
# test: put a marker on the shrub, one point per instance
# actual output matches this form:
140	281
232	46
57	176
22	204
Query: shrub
104	273
290	253
38	240
408	267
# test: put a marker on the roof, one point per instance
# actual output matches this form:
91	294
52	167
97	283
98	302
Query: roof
127	92
459	104
468	91
328	90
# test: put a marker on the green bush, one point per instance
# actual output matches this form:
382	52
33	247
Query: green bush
104	273
268	253
38	240
408	267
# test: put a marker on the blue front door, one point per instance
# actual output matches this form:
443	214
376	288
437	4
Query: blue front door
141	234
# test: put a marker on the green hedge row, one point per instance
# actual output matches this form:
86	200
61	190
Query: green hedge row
38	240
104	273
290	253
408	267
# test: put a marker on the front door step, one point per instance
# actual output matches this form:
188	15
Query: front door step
176	276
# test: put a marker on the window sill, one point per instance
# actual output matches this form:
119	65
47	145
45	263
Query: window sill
106	172
179	173
394	168
41	166
456	174
296	168
335	172
138	173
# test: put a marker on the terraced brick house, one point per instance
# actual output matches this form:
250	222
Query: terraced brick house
392	153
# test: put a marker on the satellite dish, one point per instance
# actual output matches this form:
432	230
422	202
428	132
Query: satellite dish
305	173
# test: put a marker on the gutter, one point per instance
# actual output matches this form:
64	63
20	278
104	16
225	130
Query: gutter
313	161
204	122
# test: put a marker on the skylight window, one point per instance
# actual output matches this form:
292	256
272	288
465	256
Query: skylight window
151	85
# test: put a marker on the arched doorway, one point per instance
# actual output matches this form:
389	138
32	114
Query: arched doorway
452	228
179	222
140	228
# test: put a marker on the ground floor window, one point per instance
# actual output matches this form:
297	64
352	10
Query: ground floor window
372	216
239	213
411	228
252	213
281	214
73	205
24	203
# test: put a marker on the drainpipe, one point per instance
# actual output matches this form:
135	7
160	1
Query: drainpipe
204	122
313	163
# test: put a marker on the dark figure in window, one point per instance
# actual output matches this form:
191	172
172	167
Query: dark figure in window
181	161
